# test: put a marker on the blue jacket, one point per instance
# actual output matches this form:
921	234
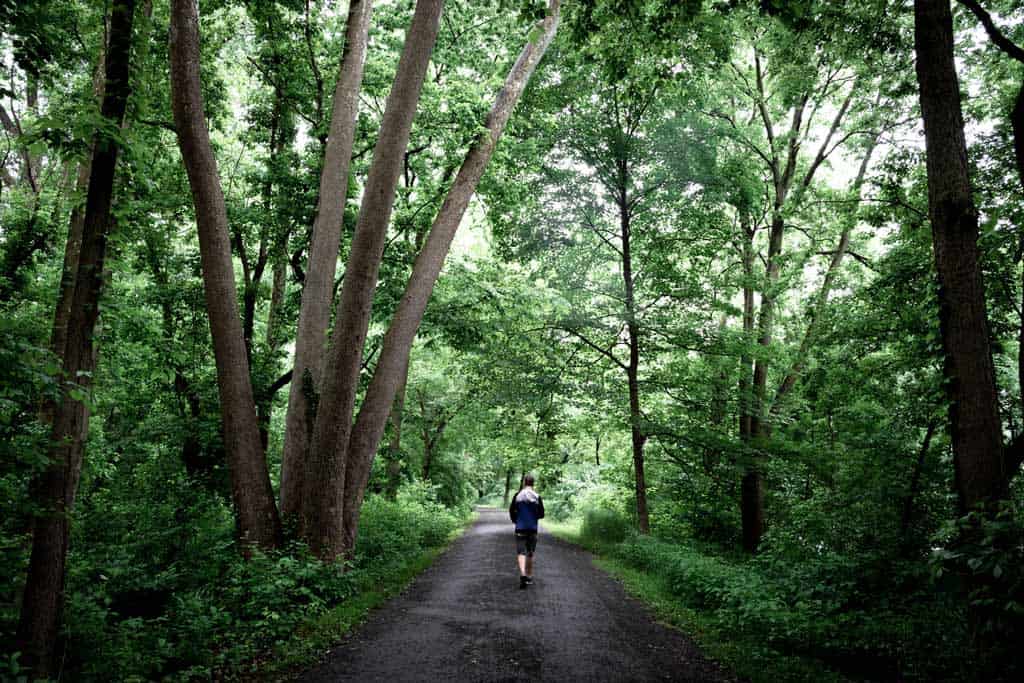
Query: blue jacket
526	509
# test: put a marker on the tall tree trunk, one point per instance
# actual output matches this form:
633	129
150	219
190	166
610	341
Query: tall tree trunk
508	486
395	446
975	428
255	509
73	244
746	362
398	340
278	290
638	438
318	289
324	489
55	489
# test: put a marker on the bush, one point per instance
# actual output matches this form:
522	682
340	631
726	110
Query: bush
148	601
391	529
604	526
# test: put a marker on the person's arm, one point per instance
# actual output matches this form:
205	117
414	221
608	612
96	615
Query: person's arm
540	502
512	512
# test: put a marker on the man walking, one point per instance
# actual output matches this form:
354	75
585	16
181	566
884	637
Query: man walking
525	510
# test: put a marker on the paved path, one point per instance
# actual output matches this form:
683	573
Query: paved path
465	619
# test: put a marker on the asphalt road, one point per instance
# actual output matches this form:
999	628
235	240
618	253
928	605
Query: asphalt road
465	619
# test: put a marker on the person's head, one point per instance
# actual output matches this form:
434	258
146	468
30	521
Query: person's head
527	480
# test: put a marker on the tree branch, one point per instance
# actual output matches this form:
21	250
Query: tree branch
997	36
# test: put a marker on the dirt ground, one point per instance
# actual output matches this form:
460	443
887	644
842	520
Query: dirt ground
465	619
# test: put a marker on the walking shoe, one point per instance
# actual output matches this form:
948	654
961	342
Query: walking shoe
529	580
523	581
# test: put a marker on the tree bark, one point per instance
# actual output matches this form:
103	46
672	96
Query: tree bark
638	438
55	489
318	288
324	488
975	427
255	509
395	445
369	425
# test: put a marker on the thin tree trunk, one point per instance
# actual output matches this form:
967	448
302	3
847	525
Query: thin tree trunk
73	244
369	425
907	513
746	362
975	428
55	490
508	486
324	489
278	290
638	438
253	497
318	288
818	305
395	445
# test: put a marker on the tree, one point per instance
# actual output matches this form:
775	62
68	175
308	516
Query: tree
983	472
318	286
55	490
257	517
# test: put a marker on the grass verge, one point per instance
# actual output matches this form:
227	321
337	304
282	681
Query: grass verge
316	636
745	656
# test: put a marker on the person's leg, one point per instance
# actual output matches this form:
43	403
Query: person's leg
531	547
521	558
523	564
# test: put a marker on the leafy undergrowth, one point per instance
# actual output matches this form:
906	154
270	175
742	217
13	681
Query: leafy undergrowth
769	622
373	586
150	602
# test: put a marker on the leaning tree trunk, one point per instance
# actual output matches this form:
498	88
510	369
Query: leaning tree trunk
55	489
394	472
255	509
318	290
324	488
975	427
394	354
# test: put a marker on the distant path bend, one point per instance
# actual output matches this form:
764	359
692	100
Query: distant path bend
465	619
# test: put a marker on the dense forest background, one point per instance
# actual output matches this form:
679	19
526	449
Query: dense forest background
740	284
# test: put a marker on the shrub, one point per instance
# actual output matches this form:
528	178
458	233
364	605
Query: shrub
187	606
603	526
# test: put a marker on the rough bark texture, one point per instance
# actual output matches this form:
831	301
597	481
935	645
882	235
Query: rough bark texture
394	354
395	444
975	427
253	497
318	289
56	487
324	488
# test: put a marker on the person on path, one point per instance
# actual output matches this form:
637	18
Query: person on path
526	509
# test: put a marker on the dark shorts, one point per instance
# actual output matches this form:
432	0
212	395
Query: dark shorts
526	543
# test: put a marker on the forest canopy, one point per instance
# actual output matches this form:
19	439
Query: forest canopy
288	286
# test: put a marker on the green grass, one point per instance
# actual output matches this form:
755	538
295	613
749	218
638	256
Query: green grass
745	656
314	637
